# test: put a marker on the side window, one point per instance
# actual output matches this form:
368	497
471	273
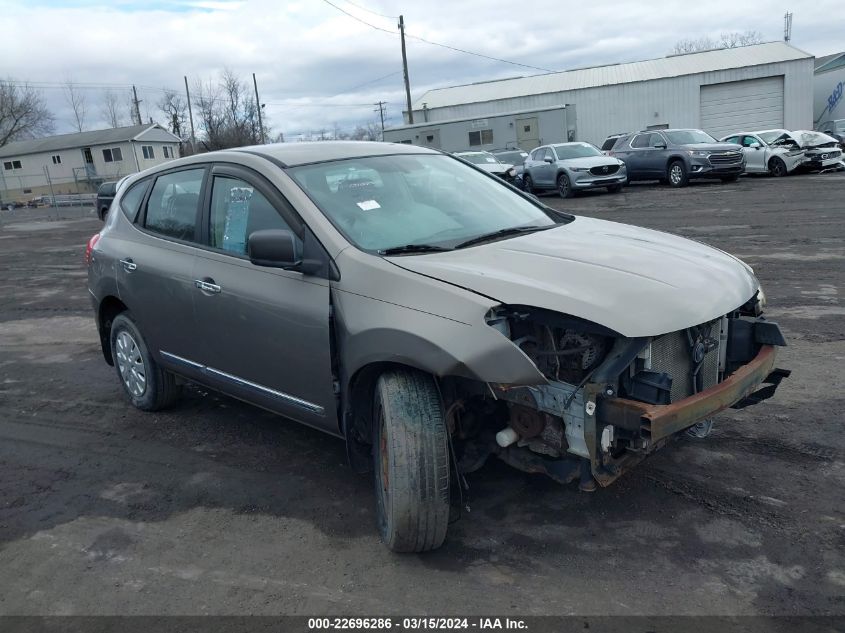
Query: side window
237	210
173	203
131	200
657	139
732	139
641	140
747	141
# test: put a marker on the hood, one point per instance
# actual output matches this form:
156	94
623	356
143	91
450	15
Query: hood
590	161
636	281
494	168
713	147
807	139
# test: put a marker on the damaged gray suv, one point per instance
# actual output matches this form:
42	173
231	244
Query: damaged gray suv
425	312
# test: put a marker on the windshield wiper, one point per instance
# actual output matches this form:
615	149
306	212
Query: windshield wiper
413	248
514	230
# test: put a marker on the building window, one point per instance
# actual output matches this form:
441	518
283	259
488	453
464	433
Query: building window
57	159
27	190
9	165
168	152
113	154
148	151
481	137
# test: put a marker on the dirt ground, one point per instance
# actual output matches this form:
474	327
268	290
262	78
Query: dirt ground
216	507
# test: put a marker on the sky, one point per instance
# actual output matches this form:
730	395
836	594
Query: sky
320	68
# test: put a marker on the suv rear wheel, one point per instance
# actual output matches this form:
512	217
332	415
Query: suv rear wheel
147	385
677	174
411	461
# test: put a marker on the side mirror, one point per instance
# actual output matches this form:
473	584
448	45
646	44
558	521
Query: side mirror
754	145
548	160
274	248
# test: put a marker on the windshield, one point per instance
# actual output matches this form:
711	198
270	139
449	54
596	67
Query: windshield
383	202
689	137
770	136
479	158
839	126
576	150
514	158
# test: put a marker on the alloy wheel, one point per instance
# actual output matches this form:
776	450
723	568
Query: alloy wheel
676	174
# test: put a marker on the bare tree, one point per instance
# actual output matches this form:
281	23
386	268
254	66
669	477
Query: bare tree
175	109
76	100
23	113
370	131
111	109
734	39
726	40
227	113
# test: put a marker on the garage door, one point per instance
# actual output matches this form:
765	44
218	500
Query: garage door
741	106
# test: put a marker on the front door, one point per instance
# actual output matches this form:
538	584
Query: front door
755	157
154	265
264	331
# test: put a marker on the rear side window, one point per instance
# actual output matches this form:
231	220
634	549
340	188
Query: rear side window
172	207
609	142
641	140
131	200
237	210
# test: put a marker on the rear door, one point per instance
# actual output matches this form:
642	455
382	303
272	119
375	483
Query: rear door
155	263
636	155
264	332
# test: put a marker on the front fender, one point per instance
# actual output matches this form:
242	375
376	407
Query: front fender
372	331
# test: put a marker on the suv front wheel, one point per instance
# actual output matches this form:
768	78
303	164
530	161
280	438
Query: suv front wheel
677	174
411	461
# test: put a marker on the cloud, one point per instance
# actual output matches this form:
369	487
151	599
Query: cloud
311	60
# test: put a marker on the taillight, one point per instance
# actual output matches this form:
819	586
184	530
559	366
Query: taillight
90	247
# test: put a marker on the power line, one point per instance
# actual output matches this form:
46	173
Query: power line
447	46
381	15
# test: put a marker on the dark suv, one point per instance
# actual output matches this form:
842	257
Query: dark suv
105	196
675	156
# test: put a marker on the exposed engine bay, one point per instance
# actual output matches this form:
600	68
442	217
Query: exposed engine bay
571	427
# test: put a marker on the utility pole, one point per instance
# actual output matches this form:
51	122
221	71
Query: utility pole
137	103
405	69
190	116
380	105
787	26
258	107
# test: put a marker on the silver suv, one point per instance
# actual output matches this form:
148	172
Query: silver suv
571	167
676	156
423	311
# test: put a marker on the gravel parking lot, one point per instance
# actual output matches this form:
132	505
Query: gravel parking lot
216	507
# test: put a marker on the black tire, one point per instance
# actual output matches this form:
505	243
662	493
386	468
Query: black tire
159	386
733	178
614	188
677	174
564	186
777	167
411	461
527	184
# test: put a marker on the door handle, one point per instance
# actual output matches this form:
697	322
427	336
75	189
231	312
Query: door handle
128	265
207	286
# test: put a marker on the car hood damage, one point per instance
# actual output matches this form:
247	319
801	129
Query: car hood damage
636	281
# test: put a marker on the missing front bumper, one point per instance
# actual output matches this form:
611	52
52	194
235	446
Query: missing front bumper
657	422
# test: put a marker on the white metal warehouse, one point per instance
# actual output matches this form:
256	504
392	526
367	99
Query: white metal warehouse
752	87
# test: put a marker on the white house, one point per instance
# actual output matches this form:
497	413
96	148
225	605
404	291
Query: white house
79	163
